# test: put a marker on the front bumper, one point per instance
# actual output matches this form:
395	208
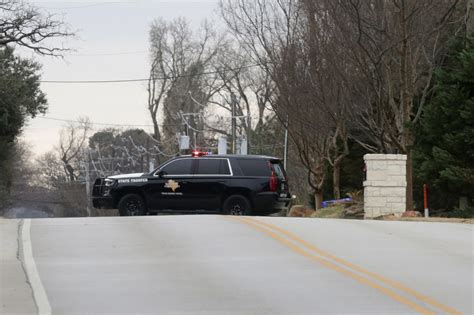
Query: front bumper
101	197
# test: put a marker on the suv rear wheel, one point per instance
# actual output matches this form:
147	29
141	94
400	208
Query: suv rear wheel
236	205
131	205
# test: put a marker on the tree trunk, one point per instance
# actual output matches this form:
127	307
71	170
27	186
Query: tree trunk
409	206
336	180
470	17
156	136
318	199
156	129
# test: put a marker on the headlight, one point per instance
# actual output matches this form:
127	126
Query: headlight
108	183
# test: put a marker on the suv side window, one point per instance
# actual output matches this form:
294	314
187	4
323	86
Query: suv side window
213	167
279	170
179	167
256	168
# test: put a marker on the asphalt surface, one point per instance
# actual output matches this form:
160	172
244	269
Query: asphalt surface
229	265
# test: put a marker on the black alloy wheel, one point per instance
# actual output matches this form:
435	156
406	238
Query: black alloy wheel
132	205
237	205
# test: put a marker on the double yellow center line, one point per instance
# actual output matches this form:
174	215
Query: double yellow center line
373	280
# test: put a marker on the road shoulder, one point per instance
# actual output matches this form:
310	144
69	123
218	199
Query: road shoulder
15	293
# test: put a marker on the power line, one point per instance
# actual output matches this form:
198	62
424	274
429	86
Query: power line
109	54
94	81
93	123
90	5
105	124
145	80
141	80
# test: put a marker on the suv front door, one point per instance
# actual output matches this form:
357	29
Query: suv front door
169	188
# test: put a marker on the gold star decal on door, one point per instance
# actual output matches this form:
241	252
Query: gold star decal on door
172	185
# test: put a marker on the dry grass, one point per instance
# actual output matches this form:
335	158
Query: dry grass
333	212
432	219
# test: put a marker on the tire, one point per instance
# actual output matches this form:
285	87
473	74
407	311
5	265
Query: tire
237	205
131	205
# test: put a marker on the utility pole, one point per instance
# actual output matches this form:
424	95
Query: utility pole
184	117
185	123
249	132
234	123
285	160
88	183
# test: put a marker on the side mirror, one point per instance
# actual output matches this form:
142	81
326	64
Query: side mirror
161	173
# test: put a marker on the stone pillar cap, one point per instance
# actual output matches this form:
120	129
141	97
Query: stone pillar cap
398	157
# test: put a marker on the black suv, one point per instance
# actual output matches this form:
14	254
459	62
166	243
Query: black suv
227	184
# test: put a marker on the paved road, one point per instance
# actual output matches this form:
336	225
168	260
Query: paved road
225	265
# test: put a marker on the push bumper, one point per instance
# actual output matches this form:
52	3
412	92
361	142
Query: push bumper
101	197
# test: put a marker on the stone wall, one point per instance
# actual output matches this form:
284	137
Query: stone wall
385	185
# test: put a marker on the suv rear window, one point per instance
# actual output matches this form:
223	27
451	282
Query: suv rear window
213	167
258	168
179	167
280	172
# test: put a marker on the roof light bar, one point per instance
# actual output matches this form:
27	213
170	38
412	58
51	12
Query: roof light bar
197	153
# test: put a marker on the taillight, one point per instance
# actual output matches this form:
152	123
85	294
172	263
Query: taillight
273	182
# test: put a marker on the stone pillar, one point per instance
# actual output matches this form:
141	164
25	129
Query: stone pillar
385	186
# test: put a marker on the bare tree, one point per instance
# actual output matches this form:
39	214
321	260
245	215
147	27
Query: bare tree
50	171
71	146
180	60
374	59
470	17
290	42
246	89
26	26
394	46
114	151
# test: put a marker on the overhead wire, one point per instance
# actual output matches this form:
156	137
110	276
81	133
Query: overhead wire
143	149
155	146
93	123
172	77
108	54
113	125
90	5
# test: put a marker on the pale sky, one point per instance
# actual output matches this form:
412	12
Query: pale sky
112	44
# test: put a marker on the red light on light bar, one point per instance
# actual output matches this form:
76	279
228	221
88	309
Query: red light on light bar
199	153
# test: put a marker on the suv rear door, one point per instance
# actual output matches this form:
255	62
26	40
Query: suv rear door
282	180
270	169
209	183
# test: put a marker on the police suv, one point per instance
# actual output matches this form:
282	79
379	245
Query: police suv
226	184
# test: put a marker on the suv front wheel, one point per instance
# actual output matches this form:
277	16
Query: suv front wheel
131	205
236	205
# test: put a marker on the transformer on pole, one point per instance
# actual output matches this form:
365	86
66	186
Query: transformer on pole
222	146
242	145
184	143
